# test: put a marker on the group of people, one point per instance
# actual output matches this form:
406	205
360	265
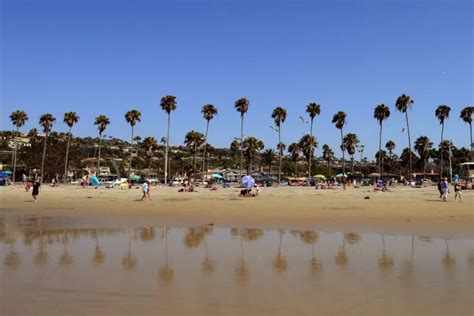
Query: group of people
443	188
33	182
186	186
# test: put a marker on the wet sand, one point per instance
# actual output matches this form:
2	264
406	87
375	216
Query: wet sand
402	211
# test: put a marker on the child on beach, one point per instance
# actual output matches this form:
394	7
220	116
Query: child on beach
457	191
35	193
145	189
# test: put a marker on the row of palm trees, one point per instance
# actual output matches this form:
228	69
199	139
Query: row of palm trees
249	145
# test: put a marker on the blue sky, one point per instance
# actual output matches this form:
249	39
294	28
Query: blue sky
106	57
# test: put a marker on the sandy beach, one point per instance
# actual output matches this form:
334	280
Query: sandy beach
403	210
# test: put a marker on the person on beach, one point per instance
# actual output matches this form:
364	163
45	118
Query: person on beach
440	189
457	191
444	189
145	189
148	195
35	193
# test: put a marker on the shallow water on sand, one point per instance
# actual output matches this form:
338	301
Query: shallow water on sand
211	270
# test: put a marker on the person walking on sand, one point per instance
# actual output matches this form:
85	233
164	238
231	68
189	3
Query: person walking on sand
457	191
149	190
445	189
145	189
440	189
35	193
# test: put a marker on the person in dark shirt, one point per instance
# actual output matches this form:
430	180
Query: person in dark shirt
35	193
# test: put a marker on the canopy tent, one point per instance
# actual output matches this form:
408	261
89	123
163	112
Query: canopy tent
320	176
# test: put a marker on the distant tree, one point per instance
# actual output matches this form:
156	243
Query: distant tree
294	149
70	118
279	117
339	120
18	119
423	147
242	106
313	109
350	142
208	112
193	141
251	146
168	104
269	156
403	104
307	144
442	113
46	122
381	113
101	121
466	116
328	156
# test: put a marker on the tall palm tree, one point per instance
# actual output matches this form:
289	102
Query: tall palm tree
279	116
242	106
350	143
18	119
442	113
390	146
423	148
70	118
101	121
466	116
313	109
168	104
46	122
132	117
268	158
251	146
193	140
328	155
403	104
208	112
294	149
339	120
381	113
307	144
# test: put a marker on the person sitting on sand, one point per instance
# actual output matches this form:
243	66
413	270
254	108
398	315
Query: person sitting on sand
35	192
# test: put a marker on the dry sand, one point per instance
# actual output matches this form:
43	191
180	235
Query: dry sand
401	211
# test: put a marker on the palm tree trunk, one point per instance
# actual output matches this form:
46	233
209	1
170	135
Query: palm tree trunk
281	152
241	143
328	168
380	151
67	154
98	157
311	149
352	164
131	155
194	162
296	168
343	161
472	146
166	149
15	150
44	155
410	165
204	169
441	152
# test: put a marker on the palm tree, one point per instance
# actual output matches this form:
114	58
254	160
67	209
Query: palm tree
280	263
101	121
242	106
381	113
442	113
294	149
70	118
168	104
466	116
193	140
132	117
328	155
46	122
151	145
381	157
390	146
350	143
251	146
279	116
307	144
208	112
18	119
423	148
268	158
313	109
403	104
339	120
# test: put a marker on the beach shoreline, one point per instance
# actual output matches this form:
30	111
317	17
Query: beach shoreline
406	211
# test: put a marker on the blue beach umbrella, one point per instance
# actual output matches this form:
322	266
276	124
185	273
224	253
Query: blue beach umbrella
217	176
248	181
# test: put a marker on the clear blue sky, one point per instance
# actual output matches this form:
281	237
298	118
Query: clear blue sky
106	57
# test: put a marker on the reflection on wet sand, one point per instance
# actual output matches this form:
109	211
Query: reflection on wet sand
260	258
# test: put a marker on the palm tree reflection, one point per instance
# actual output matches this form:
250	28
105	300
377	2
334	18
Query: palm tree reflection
99	256
129	261
147	234
310	237
279	263
207	265
41	258
65	258
448	258
242	272
385	260
13	258
165	272
341	258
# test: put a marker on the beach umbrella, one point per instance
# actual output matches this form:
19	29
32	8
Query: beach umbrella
339	175
374	175
320	176
217	176
135	177
248	181
6	172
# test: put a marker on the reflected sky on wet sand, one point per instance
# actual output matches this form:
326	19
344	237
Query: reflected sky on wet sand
211	270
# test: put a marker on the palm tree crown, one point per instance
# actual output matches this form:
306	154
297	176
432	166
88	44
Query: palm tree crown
46	121
466	114
168	103
133	117
19	118
101	121
313	109
70	118
381	113
208	112
442	113
339	119
390	146
193	140
403	103
279	116
242	106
